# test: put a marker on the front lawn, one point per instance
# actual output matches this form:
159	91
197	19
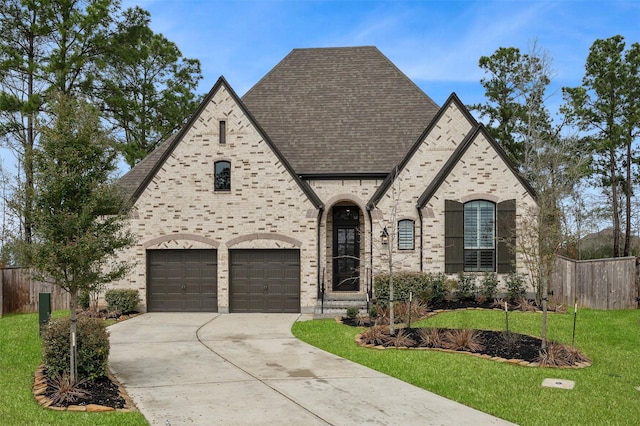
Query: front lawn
20	355
605	393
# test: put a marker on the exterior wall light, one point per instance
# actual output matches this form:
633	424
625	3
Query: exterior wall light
384	236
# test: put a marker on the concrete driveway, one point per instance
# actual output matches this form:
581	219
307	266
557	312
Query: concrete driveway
248	369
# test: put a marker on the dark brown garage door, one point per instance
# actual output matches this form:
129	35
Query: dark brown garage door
264	280
182	281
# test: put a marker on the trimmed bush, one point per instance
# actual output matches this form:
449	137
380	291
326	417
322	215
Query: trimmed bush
352	312
515	288
122	300
489	285
426	287
466	286
92	342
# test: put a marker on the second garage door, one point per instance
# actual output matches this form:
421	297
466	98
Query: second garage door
264	280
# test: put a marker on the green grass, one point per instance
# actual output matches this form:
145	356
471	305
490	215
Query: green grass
605	393
20	355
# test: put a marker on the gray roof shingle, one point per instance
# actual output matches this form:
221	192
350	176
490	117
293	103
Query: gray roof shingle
328	111
340	110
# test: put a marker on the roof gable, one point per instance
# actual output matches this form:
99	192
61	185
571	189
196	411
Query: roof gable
137	179
457	155
340	110
453	99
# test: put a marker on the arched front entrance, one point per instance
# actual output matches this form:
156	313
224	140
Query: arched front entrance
346	248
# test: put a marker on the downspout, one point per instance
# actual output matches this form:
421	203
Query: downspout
421	237
319	246
370	280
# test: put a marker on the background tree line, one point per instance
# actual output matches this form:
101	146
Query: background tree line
138	81
588	147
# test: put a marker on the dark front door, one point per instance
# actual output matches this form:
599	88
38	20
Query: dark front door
346	248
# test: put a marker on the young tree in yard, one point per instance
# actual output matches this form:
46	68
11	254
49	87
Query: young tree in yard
520	122
79	216
389	229
607	106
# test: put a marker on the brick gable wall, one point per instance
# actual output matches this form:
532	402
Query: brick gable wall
265	207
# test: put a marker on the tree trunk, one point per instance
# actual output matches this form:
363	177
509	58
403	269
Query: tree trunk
627	235
614	203
391	301
545	291
73	362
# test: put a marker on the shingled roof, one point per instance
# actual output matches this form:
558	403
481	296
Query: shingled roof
340	111
327	111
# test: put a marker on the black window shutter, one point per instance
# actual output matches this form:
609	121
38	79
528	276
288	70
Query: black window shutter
453	237
506	233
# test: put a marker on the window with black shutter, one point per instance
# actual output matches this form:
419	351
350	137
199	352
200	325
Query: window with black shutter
480	236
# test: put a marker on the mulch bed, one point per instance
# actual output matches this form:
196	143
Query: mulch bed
102	391
103	394
509	347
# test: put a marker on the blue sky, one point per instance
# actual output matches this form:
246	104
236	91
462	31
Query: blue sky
436	43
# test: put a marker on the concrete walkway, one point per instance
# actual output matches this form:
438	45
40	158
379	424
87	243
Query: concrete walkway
237	369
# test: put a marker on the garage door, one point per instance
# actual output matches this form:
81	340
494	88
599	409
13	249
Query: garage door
182	281
264	281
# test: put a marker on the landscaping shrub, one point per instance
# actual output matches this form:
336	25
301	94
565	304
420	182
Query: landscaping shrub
406	312
84	299
378	335
65	392
466	286
92	342
400	339
439	288
559	355
515	288
352	312
462	340
430	337
427	287
489	285
122	300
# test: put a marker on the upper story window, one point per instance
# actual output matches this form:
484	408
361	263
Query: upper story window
406	234
479	236
222	131
223	176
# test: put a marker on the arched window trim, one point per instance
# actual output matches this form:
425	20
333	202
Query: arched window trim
222	183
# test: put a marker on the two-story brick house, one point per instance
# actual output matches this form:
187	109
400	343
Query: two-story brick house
260	202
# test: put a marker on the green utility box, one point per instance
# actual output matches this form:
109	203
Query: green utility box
44	308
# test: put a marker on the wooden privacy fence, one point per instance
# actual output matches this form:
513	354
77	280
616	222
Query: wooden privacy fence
19	292
597	284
